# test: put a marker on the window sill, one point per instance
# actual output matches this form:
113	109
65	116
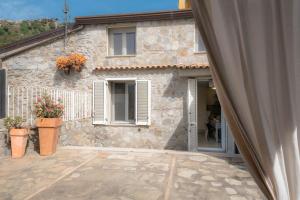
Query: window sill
200	52
122	125
126	125
121	56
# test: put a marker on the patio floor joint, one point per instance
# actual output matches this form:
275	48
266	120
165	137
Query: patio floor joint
61	177
170	178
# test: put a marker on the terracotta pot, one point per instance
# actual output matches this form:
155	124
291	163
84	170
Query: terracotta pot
48	134
18	139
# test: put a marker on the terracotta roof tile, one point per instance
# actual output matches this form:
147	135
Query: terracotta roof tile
162	66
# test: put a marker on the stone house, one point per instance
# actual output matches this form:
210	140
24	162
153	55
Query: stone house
148	73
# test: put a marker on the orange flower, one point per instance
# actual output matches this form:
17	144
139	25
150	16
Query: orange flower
62	62
77	59
74	60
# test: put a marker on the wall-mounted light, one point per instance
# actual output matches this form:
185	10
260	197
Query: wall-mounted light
211	84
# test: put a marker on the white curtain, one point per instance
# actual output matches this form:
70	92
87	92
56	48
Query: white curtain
254	52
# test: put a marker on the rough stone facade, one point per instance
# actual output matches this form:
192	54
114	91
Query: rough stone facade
3	146
158	42
163	42
168	117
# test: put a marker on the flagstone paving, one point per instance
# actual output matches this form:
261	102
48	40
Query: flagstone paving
91	174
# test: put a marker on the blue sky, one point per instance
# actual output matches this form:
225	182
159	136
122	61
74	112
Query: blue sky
35	9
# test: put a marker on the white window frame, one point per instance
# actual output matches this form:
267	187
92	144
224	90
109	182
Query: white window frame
108	103
112	111
123	30
197	35
113	79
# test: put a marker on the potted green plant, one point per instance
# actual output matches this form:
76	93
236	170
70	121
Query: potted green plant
18	135
48	122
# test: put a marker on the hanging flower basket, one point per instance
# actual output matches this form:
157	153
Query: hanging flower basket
74	61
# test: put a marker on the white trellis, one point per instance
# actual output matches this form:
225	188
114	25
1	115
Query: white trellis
77	104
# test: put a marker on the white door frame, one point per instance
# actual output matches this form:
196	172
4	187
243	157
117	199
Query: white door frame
192	115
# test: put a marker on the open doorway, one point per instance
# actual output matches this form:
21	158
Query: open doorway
209	120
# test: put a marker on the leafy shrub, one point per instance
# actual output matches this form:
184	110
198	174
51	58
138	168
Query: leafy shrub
16	122
24	27
45	107
2	31
13	31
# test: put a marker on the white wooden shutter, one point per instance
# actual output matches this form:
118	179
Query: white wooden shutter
143	102
99	102
2	93
192	115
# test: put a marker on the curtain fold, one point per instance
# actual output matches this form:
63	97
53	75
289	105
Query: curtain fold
254	49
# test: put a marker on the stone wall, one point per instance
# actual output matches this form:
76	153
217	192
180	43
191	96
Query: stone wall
3	133
168	116
168	129
163	42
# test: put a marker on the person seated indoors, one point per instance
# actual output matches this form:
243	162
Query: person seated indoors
211	126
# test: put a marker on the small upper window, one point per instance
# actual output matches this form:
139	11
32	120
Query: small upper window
122	41
199	44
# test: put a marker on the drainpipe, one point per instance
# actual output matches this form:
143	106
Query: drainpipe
66	11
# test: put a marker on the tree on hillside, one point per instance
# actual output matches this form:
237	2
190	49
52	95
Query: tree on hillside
13	31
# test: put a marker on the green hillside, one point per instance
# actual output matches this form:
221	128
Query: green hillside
11	31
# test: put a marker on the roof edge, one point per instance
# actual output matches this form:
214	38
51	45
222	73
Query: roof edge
135	17
26	40
31	42
157	66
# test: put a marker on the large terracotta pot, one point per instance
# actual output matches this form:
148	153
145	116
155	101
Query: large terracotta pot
18	139
48	134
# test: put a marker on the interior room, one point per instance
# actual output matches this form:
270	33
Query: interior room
209	116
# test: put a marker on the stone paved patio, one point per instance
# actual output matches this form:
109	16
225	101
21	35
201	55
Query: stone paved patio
109	175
